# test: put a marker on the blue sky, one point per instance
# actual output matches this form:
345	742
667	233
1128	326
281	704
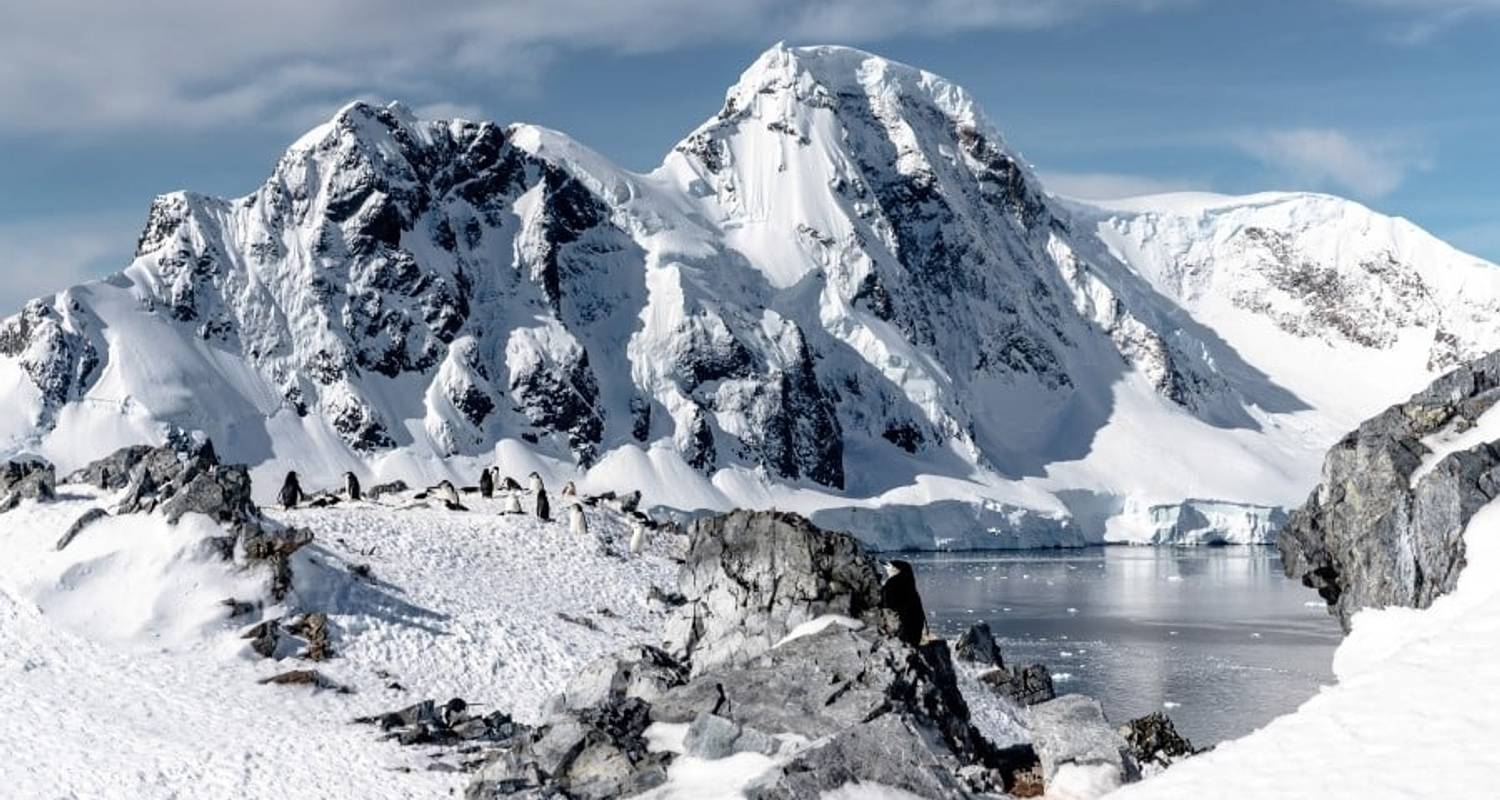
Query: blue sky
1393	102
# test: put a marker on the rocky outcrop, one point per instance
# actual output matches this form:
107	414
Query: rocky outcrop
781	648
977	645
752	577
1377	533
27	478
1154	741
184	476
1072	729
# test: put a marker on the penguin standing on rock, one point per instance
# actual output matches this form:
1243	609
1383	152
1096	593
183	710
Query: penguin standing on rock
351	486
487	484
543	508
291	492
899	594
577	522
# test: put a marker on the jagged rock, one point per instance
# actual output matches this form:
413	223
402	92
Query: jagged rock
449	724
313	627
1072	729
1368	537
265	637
306	677
274	546
750	579
29	478
977	645
381	489
1026	685
1154	741
891	751
754	576
641	672
595	753
711	736
84	520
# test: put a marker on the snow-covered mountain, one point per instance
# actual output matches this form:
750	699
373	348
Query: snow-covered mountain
843	295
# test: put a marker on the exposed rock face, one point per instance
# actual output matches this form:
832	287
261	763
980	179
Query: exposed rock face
751	577
977	645
1073	730
1026	685
30	478
835	703
1154	741
1369	535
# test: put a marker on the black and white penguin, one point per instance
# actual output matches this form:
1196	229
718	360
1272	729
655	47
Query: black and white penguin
577	522
637	537
569	490
487	483
543	508
899	594
536	484
449	495
291	491
351	486
512	504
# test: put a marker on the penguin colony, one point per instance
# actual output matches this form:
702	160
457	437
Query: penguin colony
491	482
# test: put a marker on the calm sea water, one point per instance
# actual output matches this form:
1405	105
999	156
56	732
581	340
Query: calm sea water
1215	636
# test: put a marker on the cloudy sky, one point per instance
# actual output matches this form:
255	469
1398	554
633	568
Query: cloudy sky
104	105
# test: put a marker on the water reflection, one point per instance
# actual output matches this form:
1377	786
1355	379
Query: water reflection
1216	636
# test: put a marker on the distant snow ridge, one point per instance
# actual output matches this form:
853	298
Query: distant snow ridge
842	295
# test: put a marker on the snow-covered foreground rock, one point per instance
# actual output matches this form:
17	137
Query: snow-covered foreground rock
843	295
1415	713
1402	541
125	676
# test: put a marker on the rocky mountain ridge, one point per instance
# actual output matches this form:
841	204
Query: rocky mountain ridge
843	293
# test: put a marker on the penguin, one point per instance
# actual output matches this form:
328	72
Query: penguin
543	508
569	490
453	712
577	522
510	484
536	483
512	504
637	537
449	495
899	594
291	491
351	486
487	484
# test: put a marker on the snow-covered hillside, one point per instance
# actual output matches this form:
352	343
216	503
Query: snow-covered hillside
126	674
843	295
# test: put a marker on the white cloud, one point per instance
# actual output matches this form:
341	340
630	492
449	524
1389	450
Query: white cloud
1113	185
1322	158
1420	21
42	256
82	66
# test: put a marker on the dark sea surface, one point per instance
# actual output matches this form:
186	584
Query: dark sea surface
1215	636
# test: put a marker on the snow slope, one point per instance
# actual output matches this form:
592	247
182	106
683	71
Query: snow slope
1415	712
123	678
843	295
